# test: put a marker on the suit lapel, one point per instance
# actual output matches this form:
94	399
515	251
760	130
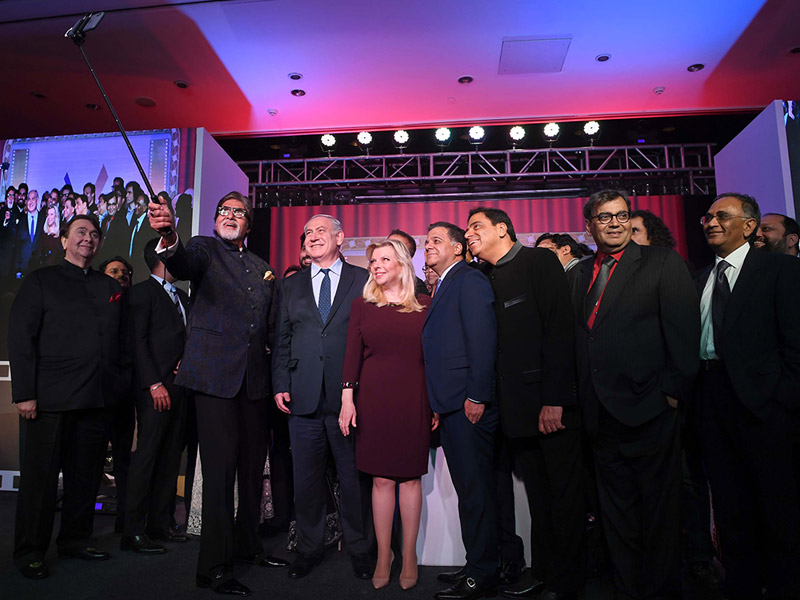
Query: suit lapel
444	287
346	280
307	292
586	268
700	280
745	285
628	264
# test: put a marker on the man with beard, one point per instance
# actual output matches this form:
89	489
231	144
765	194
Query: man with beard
778	234
226	365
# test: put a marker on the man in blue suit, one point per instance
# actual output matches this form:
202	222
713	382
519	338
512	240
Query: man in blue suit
307	369
459	343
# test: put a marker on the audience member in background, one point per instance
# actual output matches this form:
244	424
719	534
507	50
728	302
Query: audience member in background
22	196
74	313
408	241
307	368
539	416
778	233
459	344
159	312
305	258
132	192
226	365
748	396
49	251
67	210
66	192
385	400
118	236
291	270
8	234
29	231
647	229
81	205
102	209
637	323
120	269
141	233
431	277
564	246
89	193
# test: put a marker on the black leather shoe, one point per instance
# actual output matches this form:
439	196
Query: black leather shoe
467	589
452	577
231	586
705	574
34	570
363	566
272	562
510	573
141	544
527	586
87	553
303	565
174	537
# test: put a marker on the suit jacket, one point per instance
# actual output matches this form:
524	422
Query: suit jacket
459	340
25	246
116	238
760	335
66	339
310	354
536	341
645	340
158	332
140	238
226	344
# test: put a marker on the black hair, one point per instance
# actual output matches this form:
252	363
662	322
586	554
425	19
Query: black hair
602	197
657	231
561	240
454	232
495	216
407	237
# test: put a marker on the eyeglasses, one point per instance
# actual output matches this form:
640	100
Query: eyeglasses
721	217
622	216
224	211
425	268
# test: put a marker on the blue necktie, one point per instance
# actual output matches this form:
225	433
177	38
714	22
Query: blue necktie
325	295
33	229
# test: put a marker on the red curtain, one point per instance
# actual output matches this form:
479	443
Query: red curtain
377	220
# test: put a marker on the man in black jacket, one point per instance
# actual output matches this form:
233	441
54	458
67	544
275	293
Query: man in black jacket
536	395
159	311
65	345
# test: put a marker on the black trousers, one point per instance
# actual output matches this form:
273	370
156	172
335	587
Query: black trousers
638	473
750	467
552	470
155	463
70	441
312	438
512	550
120	425
233	448
469	450
695	501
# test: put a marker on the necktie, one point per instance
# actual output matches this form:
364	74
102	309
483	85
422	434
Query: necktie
325	295
596	291
719	300
174	295
436	287
33	228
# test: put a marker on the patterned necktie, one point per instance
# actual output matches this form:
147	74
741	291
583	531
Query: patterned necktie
719	301
596	291
325	295
173	293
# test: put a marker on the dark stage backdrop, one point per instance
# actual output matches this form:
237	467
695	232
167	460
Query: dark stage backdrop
371	222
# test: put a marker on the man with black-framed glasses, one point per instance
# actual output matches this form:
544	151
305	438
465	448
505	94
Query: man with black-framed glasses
748	401
637	322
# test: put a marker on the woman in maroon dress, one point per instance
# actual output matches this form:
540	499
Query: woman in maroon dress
384	379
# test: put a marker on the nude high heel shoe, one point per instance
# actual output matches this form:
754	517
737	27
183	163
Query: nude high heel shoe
382	582
406	583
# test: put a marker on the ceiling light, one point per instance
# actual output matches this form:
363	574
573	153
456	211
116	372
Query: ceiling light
401	136
551	131
695	67
180	83
602	57
364	138
516	133
465	80
442	134
476	134
328	140
295	76
591	128
298	93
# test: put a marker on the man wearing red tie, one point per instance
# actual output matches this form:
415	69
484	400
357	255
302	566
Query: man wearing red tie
637	327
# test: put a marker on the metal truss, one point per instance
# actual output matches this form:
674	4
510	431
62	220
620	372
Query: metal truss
691	163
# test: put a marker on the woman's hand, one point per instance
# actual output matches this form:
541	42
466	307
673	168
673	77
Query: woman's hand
347	415
435	422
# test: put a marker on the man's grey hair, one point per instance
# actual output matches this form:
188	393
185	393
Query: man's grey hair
337	225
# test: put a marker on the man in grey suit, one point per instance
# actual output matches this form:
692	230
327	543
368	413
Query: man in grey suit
307	381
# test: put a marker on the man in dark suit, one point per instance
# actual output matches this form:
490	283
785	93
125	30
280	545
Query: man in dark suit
226	364
748	397
307	366
140	234
158	311
29	230
536	395
65	346
637	325
459	344
408	241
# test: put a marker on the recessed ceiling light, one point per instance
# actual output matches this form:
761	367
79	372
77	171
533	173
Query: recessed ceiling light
602	57
92	106
795	50
38	95
695	67
658	90
295	76
466	79
298	93
180	83
145	101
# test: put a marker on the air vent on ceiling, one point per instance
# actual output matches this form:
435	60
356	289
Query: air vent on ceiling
533	54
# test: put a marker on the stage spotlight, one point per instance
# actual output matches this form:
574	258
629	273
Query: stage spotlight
551	131
328	142
443	137
591	131
517	134
364	140
400	139
477	135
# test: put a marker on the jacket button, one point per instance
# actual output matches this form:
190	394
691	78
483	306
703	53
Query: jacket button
591	339
247	270
252	325
249	289
324	335
594	370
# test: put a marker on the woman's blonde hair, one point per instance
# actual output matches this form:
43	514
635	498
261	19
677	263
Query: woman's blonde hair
374	293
